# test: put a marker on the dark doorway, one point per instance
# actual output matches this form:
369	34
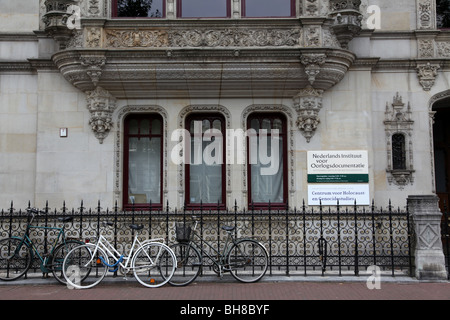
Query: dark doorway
441	134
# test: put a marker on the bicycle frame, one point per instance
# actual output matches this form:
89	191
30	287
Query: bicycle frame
221	256
26	240
109	249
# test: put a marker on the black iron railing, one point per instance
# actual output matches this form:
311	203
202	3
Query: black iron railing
317	240
445	234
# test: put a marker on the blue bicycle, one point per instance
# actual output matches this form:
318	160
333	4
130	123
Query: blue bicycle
17	253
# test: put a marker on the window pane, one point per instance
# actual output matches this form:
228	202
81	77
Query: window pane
266	125
144	170
156	126
443	13
203	8
398	152
133	127
267	8
145	127
254	124
267	178
140	8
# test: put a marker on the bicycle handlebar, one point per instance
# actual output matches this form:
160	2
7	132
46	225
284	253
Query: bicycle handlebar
35	211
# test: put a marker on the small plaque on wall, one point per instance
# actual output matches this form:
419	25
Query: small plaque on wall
63	132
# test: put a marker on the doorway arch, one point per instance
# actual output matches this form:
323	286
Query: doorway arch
440	112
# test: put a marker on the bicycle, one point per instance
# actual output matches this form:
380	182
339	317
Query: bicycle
17	253
245	258
153	263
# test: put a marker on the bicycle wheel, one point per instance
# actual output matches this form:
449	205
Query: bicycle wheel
153	264
15	258
82	269
58	256
189	264
248	260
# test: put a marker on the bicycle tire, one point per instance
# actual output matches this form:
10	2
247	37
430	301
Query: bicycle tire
153	264
248	260
58	256
14	263
81	269
189	264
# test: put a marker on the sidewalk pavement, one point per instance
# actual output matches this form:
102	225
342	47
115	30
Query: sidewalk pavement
211	288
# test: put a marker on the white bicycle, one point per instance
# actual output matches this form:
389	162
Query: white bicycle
153	263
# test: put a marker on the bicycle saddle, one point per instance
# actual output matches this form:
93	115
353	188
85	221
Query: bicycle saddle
65	219
228	228
136	227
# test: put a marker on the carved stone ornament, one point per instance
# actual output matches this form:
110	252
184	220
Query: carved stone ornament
308	103
55	20
101	105
426	15
93	65
347	20
398	122
427	73
312	63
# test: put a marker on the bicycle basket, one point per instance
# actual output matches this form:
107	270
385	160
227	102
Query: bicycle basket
183	232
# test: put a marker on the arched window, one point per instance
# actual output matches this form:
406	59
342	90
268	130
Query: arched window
268	8
398	152
138	8
205	170
143	151
267	159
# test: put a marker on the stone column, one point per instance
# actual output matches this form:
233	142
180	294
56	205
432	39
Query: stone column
428	253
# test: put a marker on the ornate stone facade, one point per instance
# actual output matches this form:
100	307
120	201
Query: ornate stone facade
327	70
324	68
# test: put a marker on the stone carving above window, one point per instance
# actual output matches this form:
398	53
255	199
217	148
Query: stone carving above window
399	127
426	17
229	37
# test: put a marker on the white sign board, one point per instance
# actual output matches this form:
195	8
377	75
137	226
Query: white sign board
346	194
337	162
350	166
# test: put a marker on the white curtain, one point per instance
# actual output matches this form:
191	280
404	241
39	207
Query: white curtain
205	179
144	183
268	187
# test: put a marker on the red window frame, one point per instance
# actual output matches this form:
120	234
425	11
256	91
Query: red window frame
180	11
293	11
283	134
114	11
127	135
211	117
